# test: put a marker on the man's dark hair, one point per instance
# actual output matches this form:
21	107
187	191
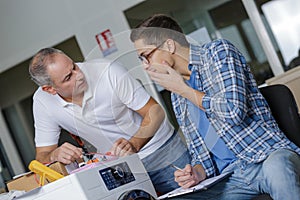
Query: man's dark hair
157	29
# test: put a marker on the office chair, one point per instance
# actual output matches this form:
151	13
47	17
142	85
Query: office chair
284	109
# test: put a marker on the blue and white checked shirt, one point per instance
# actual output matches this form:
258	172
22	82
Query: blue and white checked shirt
233	105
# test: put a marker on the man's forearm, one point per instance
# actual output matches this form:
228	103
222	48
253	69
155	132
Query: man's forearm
43	157
150	124
44	154
194	96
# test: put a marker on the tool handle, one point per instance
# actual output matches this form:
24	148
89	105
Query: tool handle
44	172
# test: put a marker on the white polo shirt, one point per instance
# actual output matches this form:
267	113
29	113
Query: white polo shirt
107	113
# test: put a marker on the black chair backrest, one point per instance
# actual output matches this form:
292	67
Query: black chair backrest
284	109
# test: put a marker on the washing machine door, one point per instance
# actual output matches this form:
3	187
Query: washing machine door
136	195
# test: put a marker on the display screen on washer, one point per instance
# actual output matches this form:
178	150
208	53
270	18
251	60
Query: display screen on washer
117	175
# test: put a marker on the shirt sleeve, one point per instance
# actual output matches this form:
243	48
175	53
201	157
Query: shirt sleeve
47	131
226	100
127	88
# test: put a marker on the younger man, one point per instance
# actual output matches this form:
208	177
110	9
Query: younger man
225	119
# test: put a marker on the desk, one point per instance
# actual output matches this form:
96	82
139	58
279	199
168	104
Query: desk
291	79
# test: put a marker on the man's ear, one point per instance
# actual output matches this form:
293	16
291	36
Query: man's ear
50	89
171	46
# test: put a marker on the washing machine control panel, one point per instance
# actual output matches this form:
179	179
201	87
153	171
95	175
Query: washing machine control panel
117	175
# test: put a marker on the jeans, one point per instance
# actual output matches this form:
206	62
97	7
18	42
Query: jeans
278	176
158	164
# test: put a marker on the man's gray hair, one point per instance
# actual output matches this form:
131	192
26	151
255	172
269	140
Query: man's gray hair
39	63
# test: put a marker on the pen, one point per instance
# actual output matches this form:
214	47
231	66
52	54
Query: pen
178	168
174	166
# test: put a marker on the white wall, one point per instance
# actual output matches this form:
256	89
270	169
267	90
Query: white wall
27	26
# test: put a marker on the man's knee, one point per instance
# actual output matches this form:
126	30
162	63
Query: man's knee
281	174
281	165
281	158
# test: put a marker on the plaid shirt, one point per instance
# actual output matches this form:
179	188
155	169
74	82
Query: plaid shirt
233	105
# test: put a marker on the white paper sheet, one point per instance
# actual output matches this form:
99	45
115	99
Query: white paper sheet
201	186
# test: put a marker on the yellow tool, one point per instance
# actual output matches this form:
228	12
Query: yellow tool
44	172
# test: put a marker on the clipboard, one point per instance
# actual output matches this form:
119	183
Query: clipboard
204	185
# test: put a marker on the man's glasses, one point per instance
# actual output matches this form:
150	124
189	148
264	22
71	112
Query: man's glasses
145	58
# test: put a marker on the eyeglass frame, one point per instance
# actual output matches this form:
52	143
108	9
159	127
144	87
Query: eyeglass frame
145	58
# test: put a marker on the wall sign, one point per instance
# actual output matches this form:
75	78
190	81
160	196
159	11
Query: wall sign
106	42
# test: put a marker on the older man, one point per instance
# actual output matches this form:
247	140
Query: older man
99	101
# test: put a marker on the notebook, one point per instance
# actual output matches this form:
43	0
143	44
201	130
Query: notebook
204	185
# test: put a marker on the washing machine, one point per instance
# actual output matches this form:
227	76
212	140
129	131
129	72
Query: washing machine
122	179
